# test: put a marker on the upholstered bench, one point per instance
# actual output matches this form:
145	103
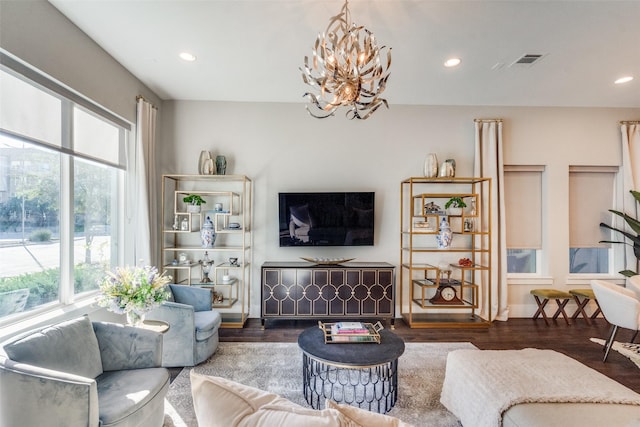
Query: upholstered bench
533	387
582	297
561	298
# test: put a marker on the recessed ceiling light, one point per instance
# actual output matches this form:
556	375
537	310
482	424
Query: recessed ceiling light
452	62
186	56
625	79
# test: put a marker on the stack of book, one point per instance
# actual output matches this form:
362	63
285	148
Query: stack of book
349	332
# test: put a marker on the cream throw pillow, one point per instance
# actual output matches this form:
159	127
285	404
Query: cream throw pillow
363	417
219	402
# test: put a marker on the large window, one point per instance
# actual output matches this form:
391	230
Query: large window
591	195
523	205
61	169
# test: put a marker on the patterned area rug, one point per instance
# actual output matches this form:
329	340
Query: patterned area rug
277	367
627	349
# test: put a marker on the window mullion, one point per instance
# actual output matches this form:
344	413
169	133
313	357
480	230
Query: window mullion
66	208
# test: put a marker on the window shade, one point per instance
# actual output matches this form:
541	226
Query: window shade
523	205
591	195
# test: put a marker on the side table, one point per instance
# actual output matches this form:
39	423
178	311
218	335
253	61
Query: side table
159	326
359	374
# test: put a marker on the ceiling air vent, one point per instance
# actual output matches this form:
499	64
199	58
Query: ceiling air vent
527	59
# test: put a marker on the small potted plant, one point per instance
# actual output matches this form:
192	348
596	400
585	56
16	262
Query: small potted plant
454	206
193	202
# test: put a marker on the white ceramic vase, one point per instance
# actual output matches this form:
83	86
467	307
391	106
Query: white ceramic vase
431	166
206	164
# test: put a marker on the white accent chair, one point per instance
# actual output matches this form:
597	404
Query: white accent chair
620	306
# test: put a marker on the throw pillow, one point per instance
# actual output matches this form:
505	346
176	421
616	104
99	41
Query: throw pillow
363	417
69	346
219	402
199	299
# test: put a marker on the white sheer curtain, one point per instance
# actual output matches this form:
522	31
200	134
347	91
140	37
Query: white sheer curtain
145	234
631	171
489	164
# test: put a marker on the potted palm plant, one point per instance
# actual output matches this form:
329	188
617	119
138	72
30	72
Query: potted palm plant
194	202
634	223
454	206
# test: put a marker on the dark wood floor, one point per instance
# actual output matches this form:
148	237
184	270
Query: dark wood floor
572	340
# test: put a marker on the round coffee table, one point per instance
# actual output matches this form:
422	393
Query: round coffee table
358	374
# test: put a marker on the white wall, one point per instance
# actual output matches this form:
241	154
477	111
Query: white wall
39	34
282	148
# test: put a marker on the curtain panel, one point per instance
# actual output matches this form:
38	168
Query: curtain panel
489	163
631	179
145	230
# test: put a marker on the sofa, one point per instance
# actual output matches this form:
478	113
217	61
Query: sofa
193	326
83	373
219	402
533	388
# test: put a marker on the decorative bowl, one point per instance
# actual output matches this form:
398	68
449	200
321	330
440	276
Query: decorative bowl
327	261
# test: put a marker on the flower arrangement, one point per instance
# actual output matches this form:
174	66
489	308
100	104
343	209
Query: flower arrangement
133	290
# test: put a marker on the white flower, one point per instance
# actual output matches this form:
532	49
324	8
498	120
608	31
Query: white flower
136	289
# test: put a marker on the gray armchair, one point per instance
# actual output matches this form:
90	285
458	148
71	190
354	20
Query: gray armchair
193	333
79	373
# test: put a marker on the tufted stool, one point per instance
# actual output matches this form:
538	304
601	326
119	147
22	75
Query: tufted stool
586	295
561	297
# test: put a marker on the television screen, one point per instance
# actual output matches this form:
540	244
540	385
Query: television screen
326	219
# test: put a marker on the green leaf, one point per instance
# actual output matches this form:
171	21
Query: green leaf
635	239
628	273
633	223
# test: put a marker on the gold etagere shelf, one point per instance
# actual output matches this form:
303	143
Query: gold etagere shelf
229	200
445	287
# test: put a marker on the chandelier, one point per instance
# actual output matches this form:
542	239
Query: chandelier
346	70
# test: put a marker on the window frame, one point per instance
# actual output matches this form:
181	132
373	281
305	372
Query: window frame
68	301
527	278
614	253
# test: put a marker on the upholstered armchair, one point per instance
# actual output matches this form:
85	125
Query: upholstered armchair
620	306
79	373
193	326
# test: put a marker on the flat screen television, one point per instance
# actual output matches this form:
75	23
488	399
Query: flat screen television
326	219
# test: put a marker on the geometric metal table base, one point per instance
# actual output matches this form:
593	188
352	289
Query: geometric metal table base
374	388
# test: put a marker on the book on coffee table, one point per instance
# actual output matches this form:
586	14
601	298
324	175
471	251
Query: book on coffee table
349	328
352	332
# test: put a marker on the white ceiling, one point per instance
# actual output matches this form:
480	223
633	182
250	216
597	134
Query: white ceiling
251	50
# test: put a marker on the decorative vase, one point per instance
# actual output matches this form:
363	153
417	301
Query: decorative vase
454	211
135	318
221	165
204	163
431	166
444	235
209	167
208	234
448	168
